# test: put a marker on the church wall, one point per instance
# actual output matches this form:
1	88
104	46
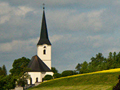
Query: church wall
46	58
42	56
35	75
47	73
43	74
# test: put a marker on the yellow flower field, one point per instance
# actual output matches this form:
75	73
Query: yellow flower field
103	71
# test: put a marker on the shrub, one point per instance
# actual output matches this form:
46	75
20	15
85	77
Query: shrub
57	75
117	87
54	70
67	73
47	77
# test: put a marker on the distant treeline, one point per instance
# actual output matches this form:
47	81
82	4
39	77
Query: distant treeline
99	62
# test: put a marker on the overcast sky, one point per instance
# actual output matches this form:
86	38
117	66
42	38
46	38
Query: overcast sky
78	30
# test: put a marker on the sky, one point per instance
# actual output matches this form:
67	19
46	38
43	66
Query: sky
78	30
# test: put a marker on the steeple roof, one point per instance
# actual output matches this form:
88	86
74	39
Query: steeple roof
37	65
44	34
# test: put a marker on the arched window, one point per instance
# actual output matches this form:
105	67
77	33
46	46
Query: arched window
44	51
30	81
44	46
37	79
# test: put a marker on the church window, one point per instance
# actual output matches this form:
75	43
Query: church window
44	46
30	81
44	51
37	79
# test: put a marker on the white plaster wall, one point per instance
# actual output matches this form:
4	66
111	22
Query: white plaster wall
43	74
42	56
49	73
35	75
38	75
46	58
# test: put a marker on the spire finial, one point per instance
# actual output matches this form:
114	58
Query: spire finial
43	6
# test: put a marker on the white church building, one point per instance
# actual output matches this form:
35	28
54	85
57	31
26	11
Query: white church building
40	64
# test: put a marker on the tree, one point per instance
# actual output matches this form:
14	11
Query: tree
114	56
22	80
78	67
20	66
84	68
57	75
47	77
7	82
4	69
54	70
67	73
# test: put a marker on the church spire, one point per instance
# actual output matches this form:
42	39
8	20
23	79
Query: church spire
44	34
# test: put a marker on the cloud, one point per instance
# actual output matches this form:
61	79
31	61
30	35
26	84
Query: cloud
63	3
92	22
23	10
8	12
18	45
89	21
17	22
55	38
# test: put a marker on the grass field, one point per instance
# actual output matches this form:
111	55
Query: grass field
101	80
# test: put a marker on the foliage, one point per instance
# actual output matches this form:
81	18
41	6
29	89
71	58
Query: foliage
57	75
22	80
3	71
54	70
19	65
17	74
7	82
117	87
67	73
84	67
99	62
47	77
78	67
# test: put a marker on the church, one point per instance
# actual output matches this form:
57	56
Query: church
40	64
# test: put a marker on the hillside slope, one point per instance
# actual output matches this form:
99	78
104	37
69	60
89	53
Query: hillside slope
101	80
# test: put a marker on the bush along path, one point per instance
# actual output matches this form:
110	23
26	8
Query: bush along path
117	87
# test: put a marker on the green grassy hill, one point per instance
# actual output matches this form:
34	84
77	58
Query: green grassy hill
101	80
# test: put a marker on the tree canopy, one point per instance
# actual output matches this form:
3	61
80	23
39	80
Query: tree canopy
99	62
19	66
3	71
54	70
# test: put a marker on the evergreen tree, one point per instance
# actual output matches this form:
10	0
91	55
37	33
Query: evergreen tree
84	68
78	67
4	70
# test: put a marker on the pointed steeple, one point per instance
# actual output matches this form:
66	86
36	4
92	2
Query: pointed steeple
44	34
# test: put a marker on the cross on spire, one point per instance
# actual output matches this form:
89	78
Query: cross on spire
43	6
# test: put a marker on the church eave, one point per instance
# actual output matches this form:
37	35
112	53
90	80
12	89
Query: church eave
44	41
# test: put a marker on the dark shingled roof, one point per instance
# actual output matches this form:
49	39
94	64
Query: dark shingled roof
37	65
44	34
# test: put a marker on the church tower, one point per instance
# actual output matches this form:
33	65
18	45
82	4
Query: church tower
44	45
40	64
